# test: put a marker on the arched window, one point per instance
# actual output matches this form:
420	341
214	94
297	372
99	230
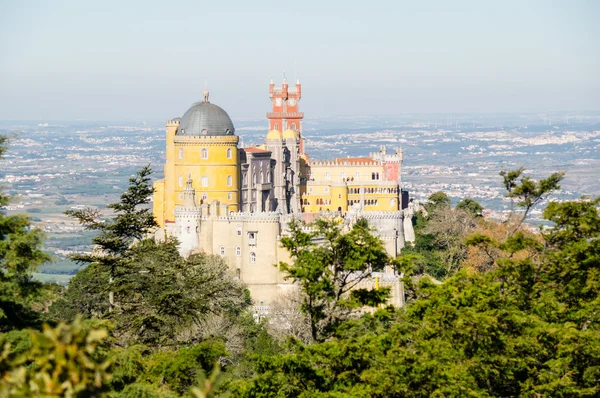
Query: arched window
252	257
342	176
327	176
377	176
238	251
239	230
372	176
261	177
254	178
229	181
229	196
204	153
268	176
276	126
228	153
222	250
204	182
294	126
180	153
180	181
357	175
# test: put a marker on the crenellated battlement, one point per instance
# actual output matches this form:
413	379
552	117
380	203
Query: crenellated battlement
173	122
382	215
333	163
268	217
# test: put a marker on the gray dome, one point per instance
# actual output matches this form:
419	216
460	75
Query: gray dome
204	118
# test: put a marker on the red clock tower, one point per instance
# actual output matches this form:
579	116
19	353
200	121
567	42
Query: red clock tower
285	115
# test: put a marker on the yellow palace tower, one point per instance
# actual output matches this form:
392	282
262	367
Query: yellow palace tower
201	147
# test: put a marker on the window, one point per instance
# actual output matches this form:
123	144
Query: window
228	153
239	230
294	126
327	176
238	251
180	196
276	126
252	257
310	189
392	202
222	250
326	189
261	177
204	196
229	181
342	176
268	177
357	175
229	196
180	181
180	153
252	237
204	153
187	229
254	178
204	181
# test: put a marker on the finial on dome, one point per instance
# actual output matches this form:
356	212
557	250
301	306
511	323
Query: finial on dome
206	93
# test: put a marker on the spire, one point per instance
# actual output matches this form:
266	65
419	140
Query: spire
189	194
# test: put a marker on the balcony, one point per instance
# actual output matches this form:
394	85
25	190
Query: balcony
285	115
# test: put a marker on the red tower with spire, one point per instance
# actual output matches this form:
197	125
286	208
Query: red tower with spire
284	114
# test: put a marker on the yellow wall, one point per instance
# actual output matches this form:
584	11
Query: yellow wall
378	196
184	158
158	202
356	172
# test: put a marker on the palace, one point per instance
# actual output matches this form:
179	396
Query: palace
237	202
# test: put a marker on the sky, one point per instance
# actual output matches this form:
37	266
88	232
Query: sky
149	60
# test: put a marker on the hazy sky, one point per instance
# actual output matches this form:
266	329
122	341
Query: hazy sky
147	60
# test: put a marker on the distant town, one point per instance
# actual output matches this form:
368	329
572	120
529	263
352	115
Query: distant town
53	167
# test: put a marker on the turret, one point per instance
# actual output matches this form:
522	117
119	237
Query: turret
189	194
284	89
298	88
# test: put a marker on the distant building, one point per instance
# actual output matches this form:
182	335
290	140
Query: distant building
237	202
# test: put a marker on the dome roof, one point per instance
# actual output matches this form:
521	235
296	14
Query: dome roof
289	134
274	135
204	118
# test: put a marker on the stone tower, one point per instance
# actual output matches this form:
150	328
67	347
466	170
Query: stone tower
284	114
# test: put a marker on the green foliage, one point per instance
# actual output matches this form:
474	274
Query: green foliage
528	192
133	221
63	361
470	206
327	265
20	254
438	201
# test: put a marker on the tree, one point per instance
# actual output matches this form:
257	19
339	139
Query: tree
20	254
67	360
438	201
527	192
164	298
328	266
133	221
470	206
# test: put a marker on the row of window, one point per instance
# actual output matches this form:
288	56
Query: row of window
254	180
276	126
354	191
204	153
204	181
238	252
